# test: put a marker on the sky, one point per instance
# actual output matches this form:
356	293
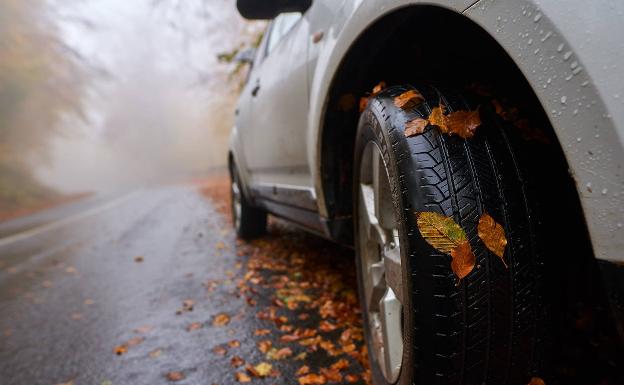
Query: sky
159	105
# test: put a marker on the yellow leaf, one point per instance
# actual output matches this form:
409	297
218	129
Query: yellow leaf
263	369
221	320
493	235
446	236
242	377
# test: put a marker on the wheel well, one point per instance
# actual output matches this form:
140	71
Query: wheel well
420	43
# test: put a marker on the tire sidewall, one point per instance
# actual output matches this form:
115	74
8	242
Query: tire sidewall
371	129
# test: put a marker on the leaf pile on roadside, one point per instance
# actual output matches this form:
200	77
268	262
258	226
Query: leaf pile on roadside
493	236
448	237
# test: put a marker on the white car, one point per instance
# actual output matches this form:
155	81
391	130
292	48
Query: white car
470	151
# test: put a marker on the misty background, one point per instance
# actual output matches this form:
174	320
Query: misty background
98	95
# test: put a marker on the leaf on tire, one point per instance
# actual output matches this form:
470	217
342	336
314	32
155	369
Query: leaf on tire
446	236
536	381
415	126
408	99
461	123
493	236
376	90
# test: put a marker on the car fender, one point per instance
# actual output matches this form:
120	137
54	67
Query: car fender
569	58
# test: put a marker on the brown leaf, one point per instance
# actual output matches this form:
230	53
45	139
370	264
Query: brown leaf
415	126
363	103
326	326
242	377
236	361
332	375
312	379
463	260
265	345
446	236
234	344
493	235
175	376
194	326
408	99
536	381
220	350
262	332
351	378
462	123
221	320
340	364
138	259
155	353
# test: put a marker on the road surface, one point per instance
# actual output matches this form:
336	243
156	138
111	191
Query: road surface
151	287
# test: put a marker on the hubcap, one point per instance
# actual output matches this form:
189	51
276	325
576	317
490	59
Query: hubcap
380	263
236	203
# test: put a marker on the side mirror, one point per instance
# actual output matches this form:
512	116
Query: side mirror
269	9
245	56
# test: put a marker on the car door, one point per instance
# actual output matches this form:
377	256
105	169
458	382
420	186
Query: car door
274	137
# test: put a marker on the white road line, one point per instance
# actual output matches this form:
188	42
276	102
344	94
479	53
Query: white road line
65	221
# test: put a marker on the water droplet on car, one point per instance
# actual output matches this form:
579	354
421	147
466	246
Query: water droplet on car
537	17
579	139
575	112
563	99
604	191
567	55
560	47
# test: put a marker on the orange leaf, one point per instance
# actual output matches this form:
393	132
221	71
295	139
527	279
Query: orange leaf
220	350
363	103
493	235
340	364
175	376
312	379
462	123
463	260
536	381
305	369
264	346
408	99
221	320
120	349
326	326
262	332
234	343
351	378
332	375
415	126
242	377
378	88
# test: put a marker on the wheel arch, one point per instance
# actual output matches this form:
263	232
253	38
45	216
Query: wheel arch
359	70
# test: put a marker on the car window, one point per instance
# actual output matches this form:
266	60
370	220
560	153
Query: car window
280	28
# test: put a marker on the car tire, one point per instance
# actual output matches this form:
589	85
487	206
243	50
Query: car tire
249	221
484	328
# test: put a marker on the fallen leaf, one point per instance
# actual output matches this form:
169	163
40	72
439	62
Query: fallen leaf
312	379
135	341
279	354
187	305
265	345
220	350
378	88
415	126
340	364
221	320
120	349
234	343
408	99
89	301
305	369
236	361
262	369
332	375
175	376
462	123
326	326
262	332
446	236
363	103
493	235
155	353
242	377
194	326
143	329
536	381
301	356
351	378
138	259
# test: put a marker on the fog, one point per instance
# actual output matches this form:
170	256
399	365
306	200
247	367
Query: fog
157	106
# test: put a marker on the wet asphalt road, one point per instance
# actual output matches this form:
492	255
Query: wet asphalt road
71	291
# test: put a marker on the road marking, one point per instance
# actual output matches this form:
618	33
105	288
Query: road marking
65	221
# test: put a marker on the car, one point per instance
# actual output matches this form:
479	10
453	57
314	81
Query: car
471	153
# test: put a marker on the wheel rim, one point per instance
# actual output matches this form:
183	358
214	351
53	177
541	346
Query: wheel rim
236	203
380	262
